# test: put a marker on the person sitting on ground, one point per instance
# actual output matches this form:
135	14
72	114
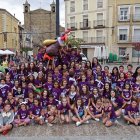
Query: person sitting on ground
6	119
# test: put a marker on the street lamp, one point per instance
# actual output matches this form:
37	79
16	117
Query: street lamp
57	18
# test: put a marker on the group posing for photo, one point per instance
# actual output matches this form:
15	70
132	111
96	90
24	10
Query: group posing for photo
66	90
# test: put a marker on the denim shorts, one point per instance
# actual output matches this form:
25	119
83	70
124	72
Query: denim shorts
113	120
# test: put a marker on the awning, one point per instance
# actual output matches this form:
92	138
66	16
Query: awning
6	52
1	52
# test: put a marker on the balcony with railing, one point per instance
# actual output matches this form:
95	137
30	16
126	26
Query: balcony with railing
99	24
136	39
85	25
123	39
124	18
136	17
128	39
72	26
94	40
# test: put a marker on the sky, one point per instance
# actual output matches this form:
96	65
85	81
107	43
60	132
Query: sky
16	7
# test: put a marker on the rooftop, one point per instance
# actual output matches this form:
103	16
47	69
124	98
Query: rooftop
4	10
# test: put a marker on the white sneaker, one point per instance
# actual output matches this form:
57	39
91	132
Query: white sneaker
87	122
96	119
78	123
46	121
49	124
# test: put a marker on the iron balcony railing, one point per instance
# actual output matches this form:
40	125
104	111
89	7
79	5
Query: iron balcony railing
85	25
128	39
99	23
94	40
72	26
136	17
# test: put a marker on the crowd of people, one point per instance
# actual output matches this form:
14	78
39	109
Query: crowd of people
67	89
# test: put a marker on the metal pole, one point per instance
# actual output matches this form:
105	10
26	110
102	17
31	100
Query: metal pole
57	18
138	57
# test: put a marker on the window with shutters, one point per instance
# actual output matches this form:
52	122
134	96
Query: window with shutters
99	19
136	15
136	35
85	36
99	3
85	21
123	34
72	6
72	22
99	36
135	53
85	5
124	13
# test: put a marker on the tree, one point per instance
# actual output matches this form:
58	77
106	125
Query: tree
74	42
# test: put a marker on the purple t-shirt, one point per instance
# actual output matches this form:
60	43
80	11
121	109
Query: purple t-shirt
38	82
23	114
110	110
91	86
25	91
65	58
44	101
106	94
64	91
4	91
48	86
126	94
10	84
136	86
56	92
49	71
114	78
132	110
80	84
30	104
64	109
77	73
85	99
57	77
129	81
119	101
99	84
40	56
36	110
121	83
53	102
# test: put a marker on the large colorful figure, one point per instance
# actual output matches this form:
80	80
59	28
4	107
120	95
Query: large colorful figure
52	47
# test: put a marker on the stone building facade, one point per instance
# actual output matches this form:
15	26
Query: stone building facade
40	23
9	37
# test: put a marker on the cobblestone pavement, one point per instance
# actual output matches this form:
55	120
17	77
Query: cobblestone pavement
94	130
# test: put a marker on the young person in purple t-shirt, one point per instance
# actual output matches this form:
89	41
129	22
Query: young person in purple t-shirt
44	100
36	113
96	110
51	116
64	111
80	114
4	89
132	113
118	103
109	115
127	94
22	116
